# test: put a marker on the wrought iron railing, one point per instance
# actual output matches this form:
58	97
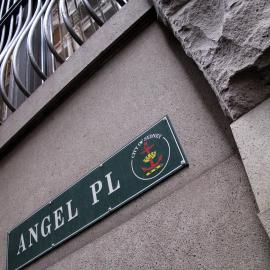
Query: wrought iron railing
36	36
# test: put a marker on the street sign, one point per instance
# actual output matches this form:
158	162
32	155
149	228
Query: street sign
138	166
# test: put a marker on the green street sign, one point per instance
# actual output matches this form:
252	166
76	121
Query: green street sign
138	166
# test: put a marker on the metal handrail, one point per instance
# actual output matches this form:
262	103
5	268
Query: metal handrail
30	49
12	10
2	9
19	25
101	11
59	39
58	57
65	17
121	2
2	38
9	32
3	91
92	12
8	5
16	75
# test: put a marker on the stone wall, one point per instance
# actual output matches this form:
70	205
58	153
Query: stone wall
230	42
203	217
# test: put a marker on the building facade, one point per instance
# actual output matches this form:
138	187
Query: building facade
101	73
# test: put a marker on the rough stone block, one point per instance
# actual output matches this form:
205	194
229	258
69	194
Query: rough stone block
230	42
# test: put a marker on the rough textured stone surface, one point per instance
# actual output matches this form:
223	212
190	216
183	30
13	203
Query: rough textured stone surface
230	42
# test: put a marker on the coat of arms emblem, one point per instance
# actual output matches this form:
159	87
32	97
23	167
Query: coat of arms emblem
150	156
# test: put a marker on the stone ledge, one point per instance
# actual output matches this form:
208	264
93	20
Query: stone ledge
265	220
252	136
